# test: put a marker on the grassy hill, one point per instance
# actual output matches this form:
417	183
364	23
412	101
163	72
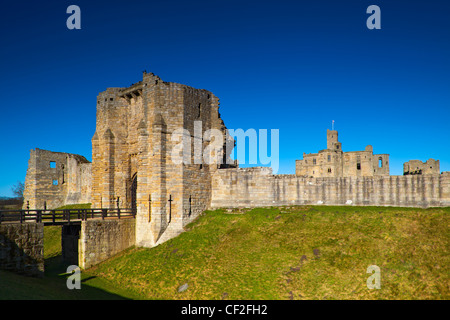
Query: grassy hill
316	252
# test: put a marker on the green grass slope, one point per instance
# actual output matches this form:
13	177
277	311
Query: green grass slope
294	253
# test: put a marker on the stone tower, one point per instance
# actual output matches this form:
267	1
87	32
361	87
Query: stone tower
332	140
133	162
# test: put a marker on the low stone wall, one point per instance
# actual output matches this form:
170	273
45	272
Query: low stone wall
254	187
102	239
22	248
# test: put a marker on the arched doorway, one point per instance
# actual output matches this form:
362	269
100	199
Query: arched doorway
133	191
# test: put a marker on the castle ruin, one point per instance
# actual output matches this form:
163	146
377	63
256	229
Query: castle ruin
133	166
412	167
334	162
56	178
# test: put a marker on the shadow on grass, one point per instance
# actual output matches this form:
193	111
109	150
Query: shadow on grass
92	288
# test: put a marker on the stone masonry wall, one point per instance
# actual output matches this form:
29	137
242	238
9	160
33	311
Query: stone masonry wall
22	248
56	179
252	187
102	239
134	140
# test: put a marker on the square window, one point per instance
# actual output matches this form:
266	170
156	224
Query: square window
55	182
52	164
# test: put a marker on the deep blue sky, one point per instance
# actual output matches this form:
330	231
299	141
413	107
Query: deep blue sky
287	65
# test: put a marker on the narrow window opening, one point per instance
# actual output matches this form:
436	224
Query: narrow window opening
55	182
52	164
329	158
358	166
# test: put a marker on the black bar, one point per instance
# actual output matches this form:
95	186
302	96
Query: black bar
149	208
190	206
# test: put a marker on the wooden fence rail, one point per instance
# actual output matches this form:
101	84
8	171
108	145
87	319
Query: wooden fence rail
63	216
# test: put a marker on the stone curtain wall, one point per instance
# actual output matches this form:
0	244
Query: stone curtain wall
22	248
253	187
101	239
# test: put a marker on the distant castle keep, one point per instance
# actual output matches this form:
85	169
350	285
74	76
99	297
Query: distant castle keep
333	162
132	167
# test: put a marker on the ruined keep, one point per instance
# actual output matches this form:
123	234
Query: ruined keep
56	178
334	162
413	167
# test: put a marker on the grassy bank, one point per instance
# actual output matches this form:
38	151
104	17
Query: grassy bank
314	252
294	253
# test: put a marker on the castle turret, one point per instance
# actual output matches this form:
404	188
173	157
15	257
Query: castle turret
332	140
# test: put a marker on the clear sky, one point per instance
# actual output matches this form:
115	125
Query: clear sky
288	65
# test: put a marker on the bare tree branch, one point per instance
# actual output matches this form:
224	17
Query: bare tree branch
18	189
